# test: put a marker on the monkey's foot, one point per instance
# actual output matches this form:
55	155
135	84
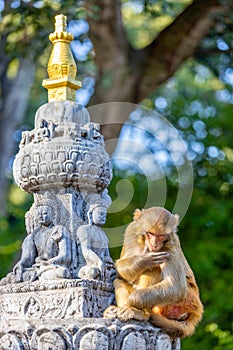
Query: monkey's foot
111	312
126	313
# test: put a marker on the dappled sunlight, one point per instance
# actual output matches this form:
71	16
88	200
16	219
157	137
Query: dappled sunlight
142	28
144	20
153	138
17	196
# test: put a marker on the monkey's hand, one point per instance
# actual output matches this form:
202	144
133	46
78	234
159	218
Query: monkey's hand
148	260
111	312
126	313
131	267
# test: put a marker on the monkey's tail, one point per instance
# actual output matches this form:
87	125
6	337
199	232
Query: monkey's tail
176	328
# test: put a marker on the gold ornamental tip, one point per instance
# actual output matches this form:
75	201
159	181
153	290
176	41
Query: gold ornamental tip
62	68
60	23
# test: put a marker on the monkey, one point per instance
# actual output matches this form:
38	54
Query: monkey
154	280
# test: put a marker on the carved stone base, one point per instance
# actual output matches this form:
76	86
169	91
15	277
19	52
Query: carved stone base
58	299
83	334
67	315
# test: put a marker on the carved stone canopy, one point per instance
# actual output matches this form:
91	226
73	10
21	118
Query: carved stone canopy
63	150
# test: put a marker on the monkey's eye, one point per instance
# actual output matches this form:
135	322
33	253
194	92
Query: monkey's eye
160	237
148	233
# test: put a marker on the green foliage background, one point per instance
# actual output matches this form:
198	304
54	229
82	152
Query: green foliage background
206	230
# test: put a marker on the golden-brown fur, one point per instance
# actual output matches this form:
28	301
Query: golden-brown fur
154	280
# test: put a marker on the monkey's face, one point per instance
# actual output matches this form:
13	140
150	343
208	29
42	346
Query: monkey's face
154	241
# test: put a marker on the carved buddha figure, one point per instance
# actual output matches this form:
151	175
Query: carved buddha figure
94	259
46	252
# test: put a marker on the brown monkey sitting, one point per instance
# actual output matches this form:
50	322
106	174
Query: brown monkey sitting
154	281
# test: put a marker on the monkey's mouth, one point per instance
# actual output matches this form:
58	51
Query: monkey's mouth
155	249
151	248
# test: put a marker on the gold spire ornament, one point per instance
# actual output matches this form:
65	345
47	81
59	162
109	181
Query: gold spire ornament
62	68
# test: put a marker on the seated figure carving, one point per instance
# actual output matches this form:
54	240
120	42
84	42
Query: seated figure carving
46	252
94	259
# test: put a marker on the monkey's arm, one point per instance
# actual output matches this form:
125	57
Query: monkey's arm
172	288
131	267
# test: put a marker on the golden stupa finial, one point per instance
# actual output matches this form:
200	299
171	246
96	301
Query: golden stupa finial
62	68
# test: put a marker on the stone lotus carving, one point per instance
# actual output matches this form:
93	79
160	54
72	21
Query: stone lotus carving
60	152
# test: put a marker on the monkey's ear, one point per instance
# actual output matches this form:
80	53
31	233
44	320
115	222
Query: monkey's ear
172	224
177	219
137	214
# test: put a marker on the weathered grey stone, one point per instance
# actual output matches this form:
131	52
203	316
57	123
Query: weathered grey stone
55	299
64	163
84	334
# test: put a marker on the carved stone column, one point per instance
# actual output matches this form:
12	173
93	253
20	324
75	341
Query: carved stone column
63	162
56	294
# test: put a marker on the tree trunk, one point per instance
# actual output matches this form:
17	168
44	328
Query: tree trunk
12	115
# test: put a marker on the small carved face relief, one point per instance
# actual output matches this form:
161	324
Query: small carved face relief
44	215
99	215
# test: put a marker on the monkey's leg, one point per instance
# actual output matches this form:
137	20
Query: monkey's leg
122	310
126	312
122	292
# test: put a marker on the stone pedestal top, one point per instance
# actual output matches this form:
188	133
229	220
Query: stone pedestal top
58	299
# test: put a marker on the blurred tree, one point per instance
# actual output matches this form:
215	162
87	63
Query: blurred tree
129	69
